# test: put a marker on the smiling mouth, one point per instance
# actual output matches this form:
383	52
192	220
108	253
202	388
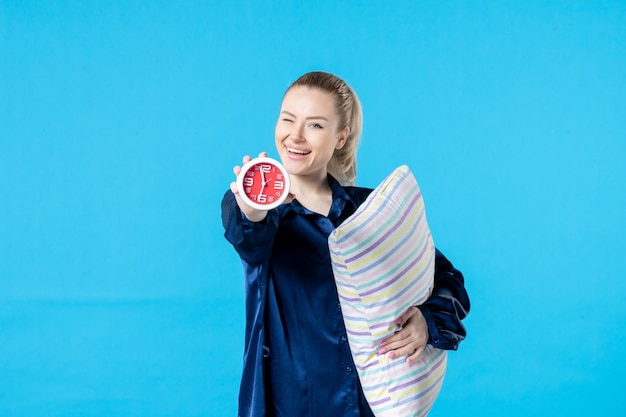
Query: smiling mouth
297	151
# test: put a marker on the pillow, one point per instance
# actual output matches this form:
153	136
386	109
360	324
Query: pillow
383	259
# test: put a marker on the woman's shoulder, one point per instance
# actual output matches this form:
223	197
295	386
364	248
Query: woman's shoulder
357	194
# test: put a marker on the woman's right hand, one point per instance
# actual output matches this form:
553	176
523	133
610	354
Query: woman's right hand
252	214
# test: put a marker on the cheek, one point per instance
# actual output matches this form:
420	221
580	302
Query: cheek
281	130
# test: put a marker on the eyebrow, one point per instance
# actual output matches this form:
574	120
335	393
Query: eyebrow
307	118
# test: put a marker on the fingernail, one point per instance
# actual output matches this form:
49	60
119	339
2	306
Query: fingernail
382	351
392	355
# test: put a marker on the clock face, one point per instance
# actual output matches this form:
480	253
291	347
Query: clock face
263	183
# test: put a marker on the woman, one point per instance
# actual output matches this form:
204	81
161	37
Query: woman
297	360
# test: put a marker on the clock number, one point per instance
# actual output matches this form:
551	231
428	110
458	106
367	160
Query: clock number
279	185
262	198
248	181
266	168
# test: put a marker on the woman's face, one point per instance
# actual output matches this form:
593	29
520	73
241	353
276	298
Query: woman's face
307	131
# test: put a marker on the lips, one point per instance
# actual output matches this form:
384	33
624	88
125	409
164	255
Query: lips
297	151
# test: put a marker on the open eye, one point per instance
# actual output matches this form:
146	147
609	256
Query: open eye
316	125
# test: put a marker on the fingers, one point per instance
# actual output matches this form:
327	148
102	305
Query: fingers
248	158
403	343
416	354
406	316
410	340
233	185
252	214
402	321
408	346
233	188
245	160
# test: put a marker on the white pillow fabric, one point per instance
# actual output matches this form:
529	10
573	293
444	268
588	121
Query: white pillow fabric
383	260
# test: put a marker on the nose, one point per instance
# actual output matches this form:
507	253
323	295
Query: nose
296	133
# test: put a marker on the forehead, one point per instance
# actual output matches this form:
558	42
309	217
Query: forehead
307	100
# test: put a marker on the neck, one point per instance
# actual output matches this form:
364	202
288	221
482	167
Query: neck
313	193
307	185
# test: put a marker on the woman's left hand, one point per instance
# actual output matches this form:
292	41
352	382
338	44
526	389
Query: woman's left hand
410	340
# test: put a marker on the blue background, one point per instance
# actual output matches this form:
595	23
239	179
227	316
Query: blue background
120	122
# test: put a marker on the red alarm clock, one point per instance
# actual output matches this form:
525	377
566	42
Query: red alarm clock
263	183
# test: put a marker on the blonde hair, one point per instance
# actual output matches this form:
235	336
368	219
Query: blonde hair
342	165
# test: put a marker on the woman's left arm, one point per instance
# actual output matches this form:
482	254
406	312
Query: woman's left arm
436	322
447	306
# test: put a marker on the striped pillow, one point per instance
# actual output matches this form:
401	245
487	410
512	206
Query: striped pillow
383	261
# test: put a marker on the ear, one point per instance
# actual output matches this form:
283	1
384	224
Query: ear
343	137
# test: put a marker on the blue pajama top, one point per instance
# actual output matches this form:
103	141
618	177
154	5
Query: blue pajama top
297	360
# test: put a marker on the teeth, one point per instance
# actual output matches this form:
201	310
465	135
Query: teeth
298	151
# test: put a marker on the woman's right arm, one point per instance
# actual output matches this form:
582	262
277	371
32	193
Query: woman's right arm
249	230
252	240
